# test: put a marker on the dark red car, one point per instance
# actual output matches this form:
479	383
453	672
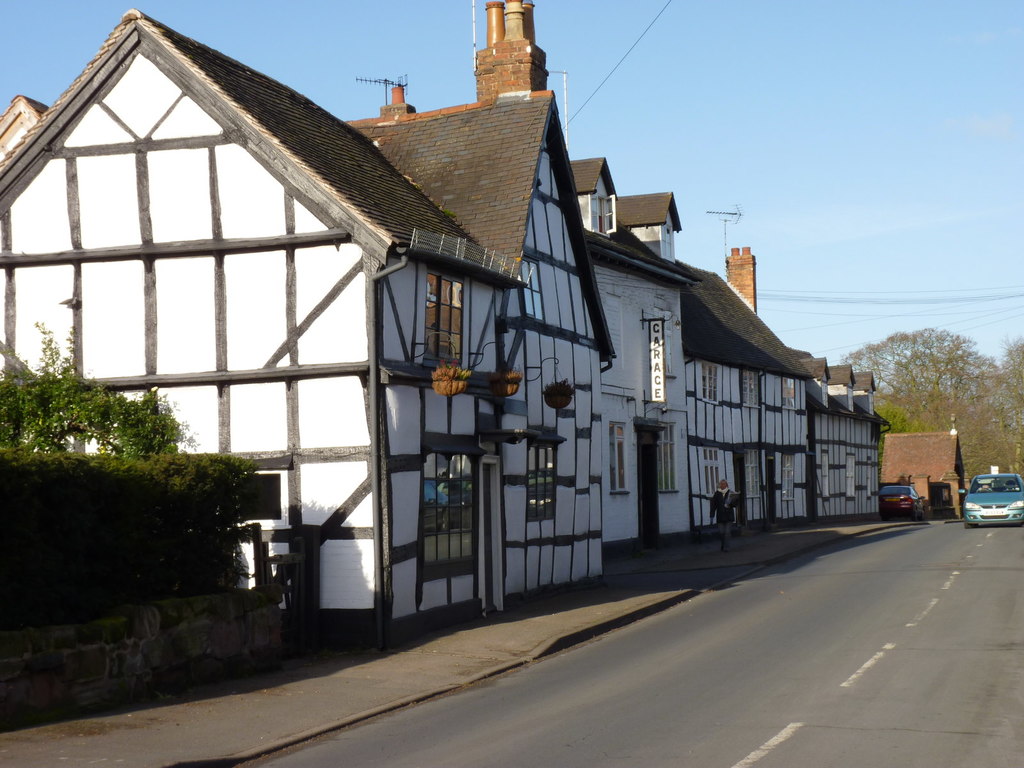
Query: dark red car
900	501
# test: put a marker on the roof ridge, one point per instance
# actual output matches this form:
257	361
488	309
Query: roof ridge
411	117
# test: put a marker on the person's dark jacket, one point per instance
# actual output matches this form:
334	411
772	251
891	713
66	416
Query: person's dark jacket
721	510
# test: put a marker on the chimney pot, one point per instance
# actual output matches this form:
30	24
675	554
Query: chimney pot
746	250
398	94
529	32
514	20
495	22
735	251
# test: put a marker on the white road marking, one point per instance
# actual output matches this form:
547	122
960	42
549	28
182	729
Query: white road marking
769	745
920	617
867	665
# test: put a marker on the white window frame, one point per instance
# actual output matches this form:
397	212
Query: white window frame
710	470
788	392
826	486
602	213
788	471
750	394
667	458
710	379
752	472
533	301
618	476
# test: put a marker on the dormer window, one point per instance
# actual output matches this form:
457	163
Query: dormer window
602	213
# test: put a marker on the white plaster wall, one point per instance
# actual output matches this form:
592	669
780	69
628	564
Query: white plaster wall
403	588
462	588
40	292
532	563
305	221
407	285
332	412
108	199
179	195
142	96
339	334
258	417
435	594
255	308
196	409
187	119
562	564
515	571
39	217
97	127
185	316
112	309
435	409
403	407
545	556
251	200
405	500
346	574
325	487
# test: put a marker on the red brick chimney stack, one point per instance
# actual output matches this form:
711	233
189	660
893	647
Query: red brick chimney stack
397	107
741	274
512	61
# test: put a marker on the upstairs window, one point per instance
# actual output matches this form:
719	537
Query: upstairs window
602	214
443	317
788	392
709	381
751	396
532	304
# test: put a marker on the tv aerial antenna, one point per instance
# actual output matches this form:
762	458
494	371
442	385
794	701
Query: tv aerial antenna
727	217
403	81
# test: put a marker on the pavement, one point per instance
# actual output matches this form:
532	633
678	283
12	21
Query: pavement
228	723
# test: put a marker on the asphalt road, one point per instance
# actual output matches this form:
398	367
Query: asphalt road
898	649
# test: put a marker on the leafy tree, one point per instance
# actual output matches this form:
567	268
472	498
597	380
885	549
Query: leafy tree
54	409
932	375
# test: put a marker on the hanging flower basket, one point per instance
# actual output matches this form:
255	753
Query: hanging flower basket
449	380
505	383
558	394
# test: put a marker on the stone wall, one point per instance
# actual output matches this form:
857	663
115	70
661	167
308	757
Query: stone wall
139	652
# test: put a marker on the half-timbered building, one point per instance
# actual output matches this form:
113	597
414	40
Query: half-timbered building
747	410
202	229
843	435
646	490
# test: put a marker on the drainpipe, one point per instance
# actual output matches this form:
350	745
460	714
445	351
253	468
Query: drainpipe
380	535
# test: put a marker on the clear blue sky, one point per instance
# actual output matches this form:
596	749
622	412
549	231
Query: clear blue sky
876	148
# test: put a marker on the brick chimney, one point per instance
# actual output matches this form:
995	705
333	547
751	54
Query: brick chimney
741	273
512	62
397	107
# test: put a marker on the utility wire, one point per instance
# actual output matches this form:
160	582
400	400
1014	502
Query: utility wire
608	76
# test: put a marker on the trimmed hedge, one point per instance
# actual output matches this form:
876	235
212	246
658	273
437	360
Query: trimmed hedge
85	533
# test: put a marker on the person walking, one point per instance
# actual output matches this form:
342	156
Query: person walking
723	504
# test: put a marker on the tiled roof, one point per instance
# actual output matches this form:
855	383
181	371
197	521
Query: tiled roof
841	374
718	326
624	249
816	366
588	172
335	152
921	453
647	210
477	162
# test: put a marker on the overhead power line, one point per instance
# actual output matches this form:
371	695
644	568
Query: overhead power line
619	63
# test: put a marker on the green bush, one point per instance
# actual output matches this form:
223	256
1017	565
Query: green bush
86	533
